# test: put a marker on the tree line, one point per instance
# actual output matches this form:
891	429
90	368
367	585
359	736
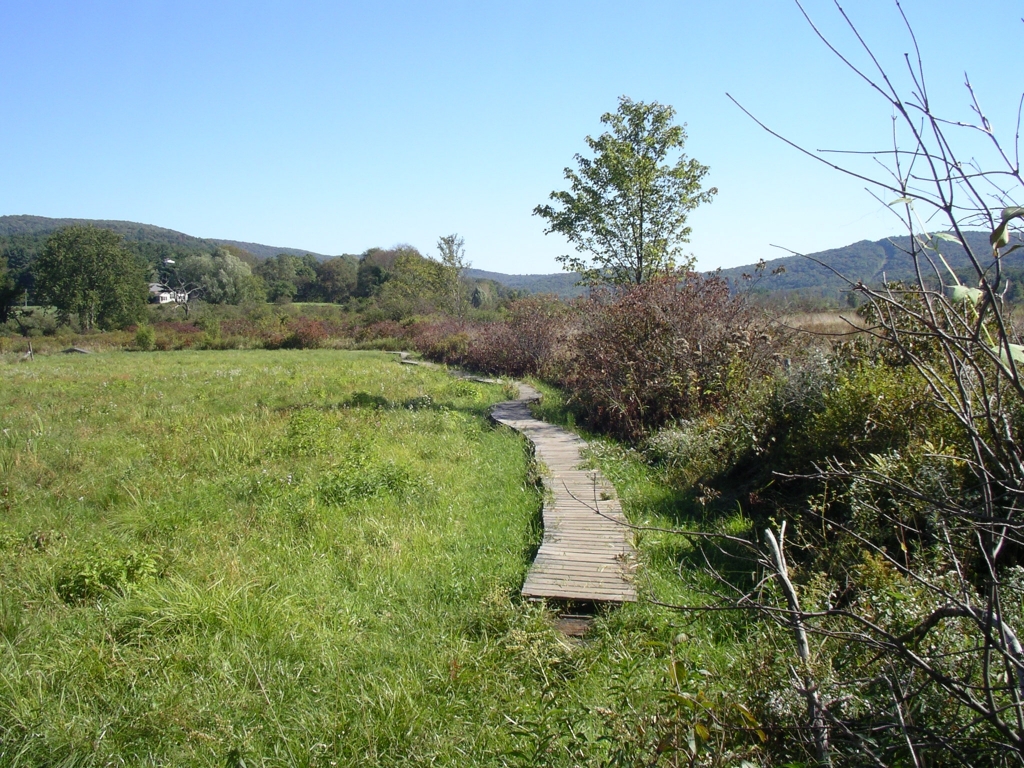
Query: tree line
92	278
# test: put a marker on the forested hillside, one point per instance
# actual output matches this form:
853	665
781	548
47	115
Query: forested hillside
562	284
388	284
821	275
39	227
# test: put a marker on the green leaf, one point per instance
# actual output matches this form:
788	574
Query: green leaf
677	671
1000	235
947	237
1013	212
963	293
702	731
898	200
684	698
1016	352
747	714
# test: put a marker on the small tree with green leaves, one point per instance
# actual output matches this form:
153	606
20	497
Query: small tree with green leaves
453	265
628	205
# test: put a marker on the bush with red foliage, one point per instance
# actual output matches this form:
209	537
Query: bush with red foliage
532	341
631	359
304	333
444	340
381	330
176	334
668	349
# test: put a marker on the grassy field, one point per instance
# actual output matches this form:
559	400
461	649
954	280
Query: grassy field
287	558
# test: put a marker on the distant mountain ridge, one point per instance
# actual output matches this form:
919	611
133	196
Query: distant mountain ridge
135	232
559	283
871	262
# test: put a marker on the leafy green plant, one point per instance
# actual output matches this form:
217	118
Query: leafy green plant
91	576
694	724
145	337
366	400
310	432
460	388
360	477
210	326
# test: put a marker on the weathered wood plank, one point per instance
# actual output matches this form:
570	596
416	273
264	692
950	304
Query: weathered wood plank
585	555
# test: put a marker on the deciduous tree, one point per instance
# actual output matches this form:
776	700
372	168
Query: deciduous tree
218	278
10	292
87	273
628	205
453	266
337	278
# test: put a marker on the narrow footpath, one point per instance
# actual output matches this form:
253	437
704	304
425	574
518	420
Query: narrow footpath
586	554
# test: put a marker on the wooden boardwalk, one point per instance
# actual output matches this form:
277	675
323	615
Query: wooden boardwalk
585	555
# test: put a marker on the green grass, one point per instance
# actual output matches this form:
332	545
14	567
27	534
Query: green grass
286	558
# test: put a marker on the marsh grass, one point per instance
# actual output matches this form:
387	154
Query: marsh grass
284	558
835	324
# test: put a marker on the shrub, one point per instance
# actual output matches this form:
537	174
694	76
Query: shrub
530	342
305	334
870	408
385	334
145	337
671	349
210	326
450	349
444	340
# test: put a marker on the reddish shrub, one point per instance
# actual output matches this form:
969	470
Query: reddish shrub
384	329
305	334
650	354
240	326
444	340
531	342
178	327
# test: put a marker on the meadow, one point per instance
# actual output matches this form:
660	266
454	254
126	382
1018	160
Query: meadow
293	558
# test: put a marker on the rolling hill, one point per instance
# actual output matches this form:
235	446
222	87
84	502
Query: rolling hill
133	232
872	262
817	276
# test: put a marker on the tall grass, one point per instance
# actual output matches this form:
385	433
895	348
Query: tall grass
284	558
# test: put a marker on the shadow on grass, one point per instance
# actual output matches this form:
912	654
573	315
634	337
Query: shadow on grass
368	401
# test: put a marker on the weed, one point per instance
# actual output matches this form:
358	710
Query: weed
360	477
90	576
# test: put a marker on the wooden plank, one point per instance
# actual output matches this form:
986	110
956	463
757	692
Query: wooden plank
585	554
551	581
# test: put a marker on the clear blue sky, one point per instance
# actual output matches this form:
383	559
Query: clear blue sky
337	126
